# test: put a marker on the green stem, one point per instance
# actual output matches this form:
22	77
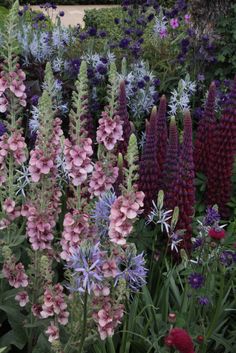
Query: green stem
111	345
84	328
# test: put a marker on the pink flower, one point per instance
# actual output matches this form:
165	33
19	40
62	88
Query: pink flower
15	274
22	298
99	290
18	147
3	85
110	131
174	23
18	88
163	33
103	177
76	229
78	162
9	205
123	211
187	18
3	104
109	269
53	332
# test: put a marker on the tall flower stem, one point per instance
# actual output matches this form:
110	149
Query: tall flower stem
84	328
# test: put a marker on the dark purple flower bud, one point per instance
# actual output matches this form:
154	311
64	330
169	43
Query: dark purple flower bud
146	78
128	31
141	84
61	13
83	36
117	20
124	43
102	69
102	34
150	17
34	100
203	301
25	8
157	82
92	31
20	13
139	32
2	129
196	280
104	60
53	6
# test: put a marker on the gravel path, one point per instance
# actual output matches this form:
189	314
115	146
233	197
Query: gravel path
73	14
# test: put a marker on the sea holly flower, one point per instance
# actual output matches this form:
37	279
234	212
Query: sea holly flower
196	280
228	258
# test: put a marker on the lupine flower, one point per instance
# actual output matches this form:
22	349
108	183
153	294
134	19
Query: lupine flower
170	168
132	270
205	133
101	213
86	263
22	298
124	116
180	340
162	136
149	169
221	161
196	280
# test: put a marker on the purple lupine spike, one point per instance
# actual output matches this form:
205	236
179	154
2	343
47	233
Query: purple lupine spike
123	113
170	170
184	186
205	131
220	171
149	170
162	136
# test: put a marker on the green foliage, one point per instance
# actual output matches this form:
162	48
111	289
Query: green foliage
104	19
112	89
80	102
3	14
132	157
226	44
10	44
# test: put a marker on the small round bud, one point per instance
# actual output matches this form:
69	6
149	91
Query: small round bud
172	318
200	339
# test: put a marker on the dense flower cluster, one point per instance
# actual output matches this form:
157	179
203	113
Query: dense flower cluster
44	162
77	160
110	131
102	179
76	229
123	211
180	340
15	274
13	82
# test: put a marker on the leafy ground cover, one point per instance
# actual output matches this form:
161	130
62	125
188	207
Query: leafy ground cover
118	180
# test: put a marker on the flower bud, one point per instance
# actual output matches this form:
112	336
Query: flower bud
172	318
200	339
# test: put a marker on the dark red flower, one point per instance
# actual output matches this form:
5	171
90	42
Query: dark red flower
200	339
216	233
180	339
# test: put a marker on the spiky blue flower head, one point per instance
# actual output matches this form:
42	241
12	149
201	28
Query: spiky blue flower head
132	270
196	280
85	262
101	213
212	216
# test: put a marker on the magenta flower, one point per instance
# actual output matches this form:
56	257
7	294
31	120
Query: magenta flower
187	18
174	22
